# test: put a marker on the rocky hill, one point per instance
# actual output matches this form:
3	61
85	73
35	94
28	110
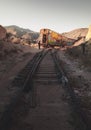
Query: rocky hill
74	34
13	40
22	33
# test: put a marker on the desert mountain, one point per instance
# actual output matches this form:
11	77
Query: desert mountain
17	30
74	34
22	33
13	40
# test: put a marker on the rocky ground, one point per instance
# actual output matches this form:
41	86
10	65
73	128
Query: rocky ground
79	77
12	63
77	67
78	74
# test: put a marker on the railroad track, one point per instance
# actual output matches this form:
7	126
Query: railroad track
42	101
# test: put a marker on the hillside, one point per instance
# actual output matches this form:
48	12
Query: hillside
77	51
13	40
18	29
22	33
74	34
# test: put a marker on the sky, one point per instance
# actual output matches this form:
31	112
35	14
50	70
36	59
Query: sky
58	15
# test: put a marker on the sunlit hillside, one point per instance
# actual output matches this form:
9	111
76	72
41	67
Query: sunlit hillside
15	40
22	33
74	34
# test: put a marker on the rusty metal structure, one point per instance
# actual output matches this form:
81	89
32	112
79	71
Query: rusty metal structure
51	38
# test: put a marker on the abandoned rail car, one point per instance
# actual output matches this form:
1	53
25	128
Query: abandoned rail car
50	38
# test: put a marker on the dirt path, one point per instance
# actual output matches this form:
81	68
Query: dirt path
50	108
52	112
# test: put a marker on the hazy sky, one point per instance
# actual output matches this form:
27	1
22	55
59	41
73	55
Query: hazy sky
58	15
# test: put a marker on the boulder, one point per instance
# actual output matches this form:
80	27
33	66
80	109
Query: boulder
2	32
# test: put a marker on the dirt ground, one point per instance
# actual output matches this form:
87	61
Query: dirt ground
49	106
14	62
79	78
10	66
78	75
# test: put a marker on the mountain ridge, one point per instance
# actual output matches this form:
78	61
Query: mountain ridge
18	28
22	32
74	34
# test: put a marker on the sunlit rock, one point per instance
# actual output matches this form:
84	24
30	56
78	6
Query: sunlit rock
88	36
